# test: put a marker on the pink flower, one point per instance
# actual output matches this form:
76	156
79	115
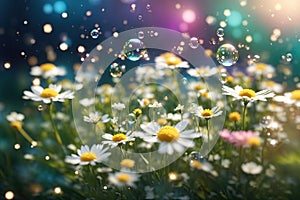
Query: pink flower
240	138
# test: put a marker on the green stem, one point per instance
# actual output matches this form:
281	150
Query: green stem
25	135
244	114
57	136
208	136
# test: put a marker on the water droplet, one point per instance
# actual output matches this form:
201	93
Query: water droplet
134	49
288	57
116	70
194	43
227	55
40	107
266	120
94	33
213	41
140	17
141	35
148	6
220	32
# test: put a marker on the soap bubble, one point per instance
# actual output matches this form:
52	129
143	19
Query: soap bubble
116	71
134	49
227	55
95	33
194	43
220	32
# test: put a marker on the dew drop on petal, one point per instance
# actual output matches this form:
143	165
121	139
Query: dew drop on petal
134	49
227	55
194	43
94	33
220	32
116	70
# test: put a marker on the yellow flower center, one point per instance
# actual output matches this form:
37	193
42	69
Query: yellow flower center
234	117
270	83
137	111
261	66
247	93
173	60
17	125
198	87
254	141
48	93
125	178
196	164
296	95
119	137
127	163
229	79
168	134
162	121
47	67
207	113
88	156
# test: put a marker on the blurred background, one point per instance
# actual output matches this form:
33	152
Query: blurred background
59	31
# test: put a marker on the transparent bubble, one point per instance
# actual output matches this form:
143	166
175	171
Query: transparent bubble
140	17
195	155
116	70
148	6
227	55
141	35
266	120
94	33
134	49
220	32
287	57
194	43
40	107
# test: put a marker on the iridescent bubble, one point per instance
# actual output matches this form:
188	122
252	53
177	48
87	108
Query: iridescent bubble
227	55
116	70
134	49
148	6
195	155
94	33
194	43
220	32
140	17
141	35
288	57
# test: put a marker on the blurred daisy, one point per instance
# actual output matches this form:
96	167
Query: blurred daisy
47	70
261	69
47	95
207	113
85	155
87	102
290	98
252	168
247	95
96	117
121	179
119	138
118	106
15	117
271	85
171	138
206	71
171	61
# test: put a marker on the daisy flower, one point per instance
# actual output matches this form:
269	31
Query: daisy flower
121	179
118	106
247	95
47	70
252	168
47	95
207	113
206	71
96	117
290	98
116	139
85	155
171	61
271	85
87	102
15	117
170	138
261	69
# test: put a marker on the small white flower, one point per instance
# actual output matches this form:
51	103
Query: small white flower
85	155
248	95
261	69
171	61
289	98
15	117
252	168
225	163
179	107
171	138
87	102
118	106
155	105
121	179
119	138
47	95
206	71
96	117
47	70
271	85
207	113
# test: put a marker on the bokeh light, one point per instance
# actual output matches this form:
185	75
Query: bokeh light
189	16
